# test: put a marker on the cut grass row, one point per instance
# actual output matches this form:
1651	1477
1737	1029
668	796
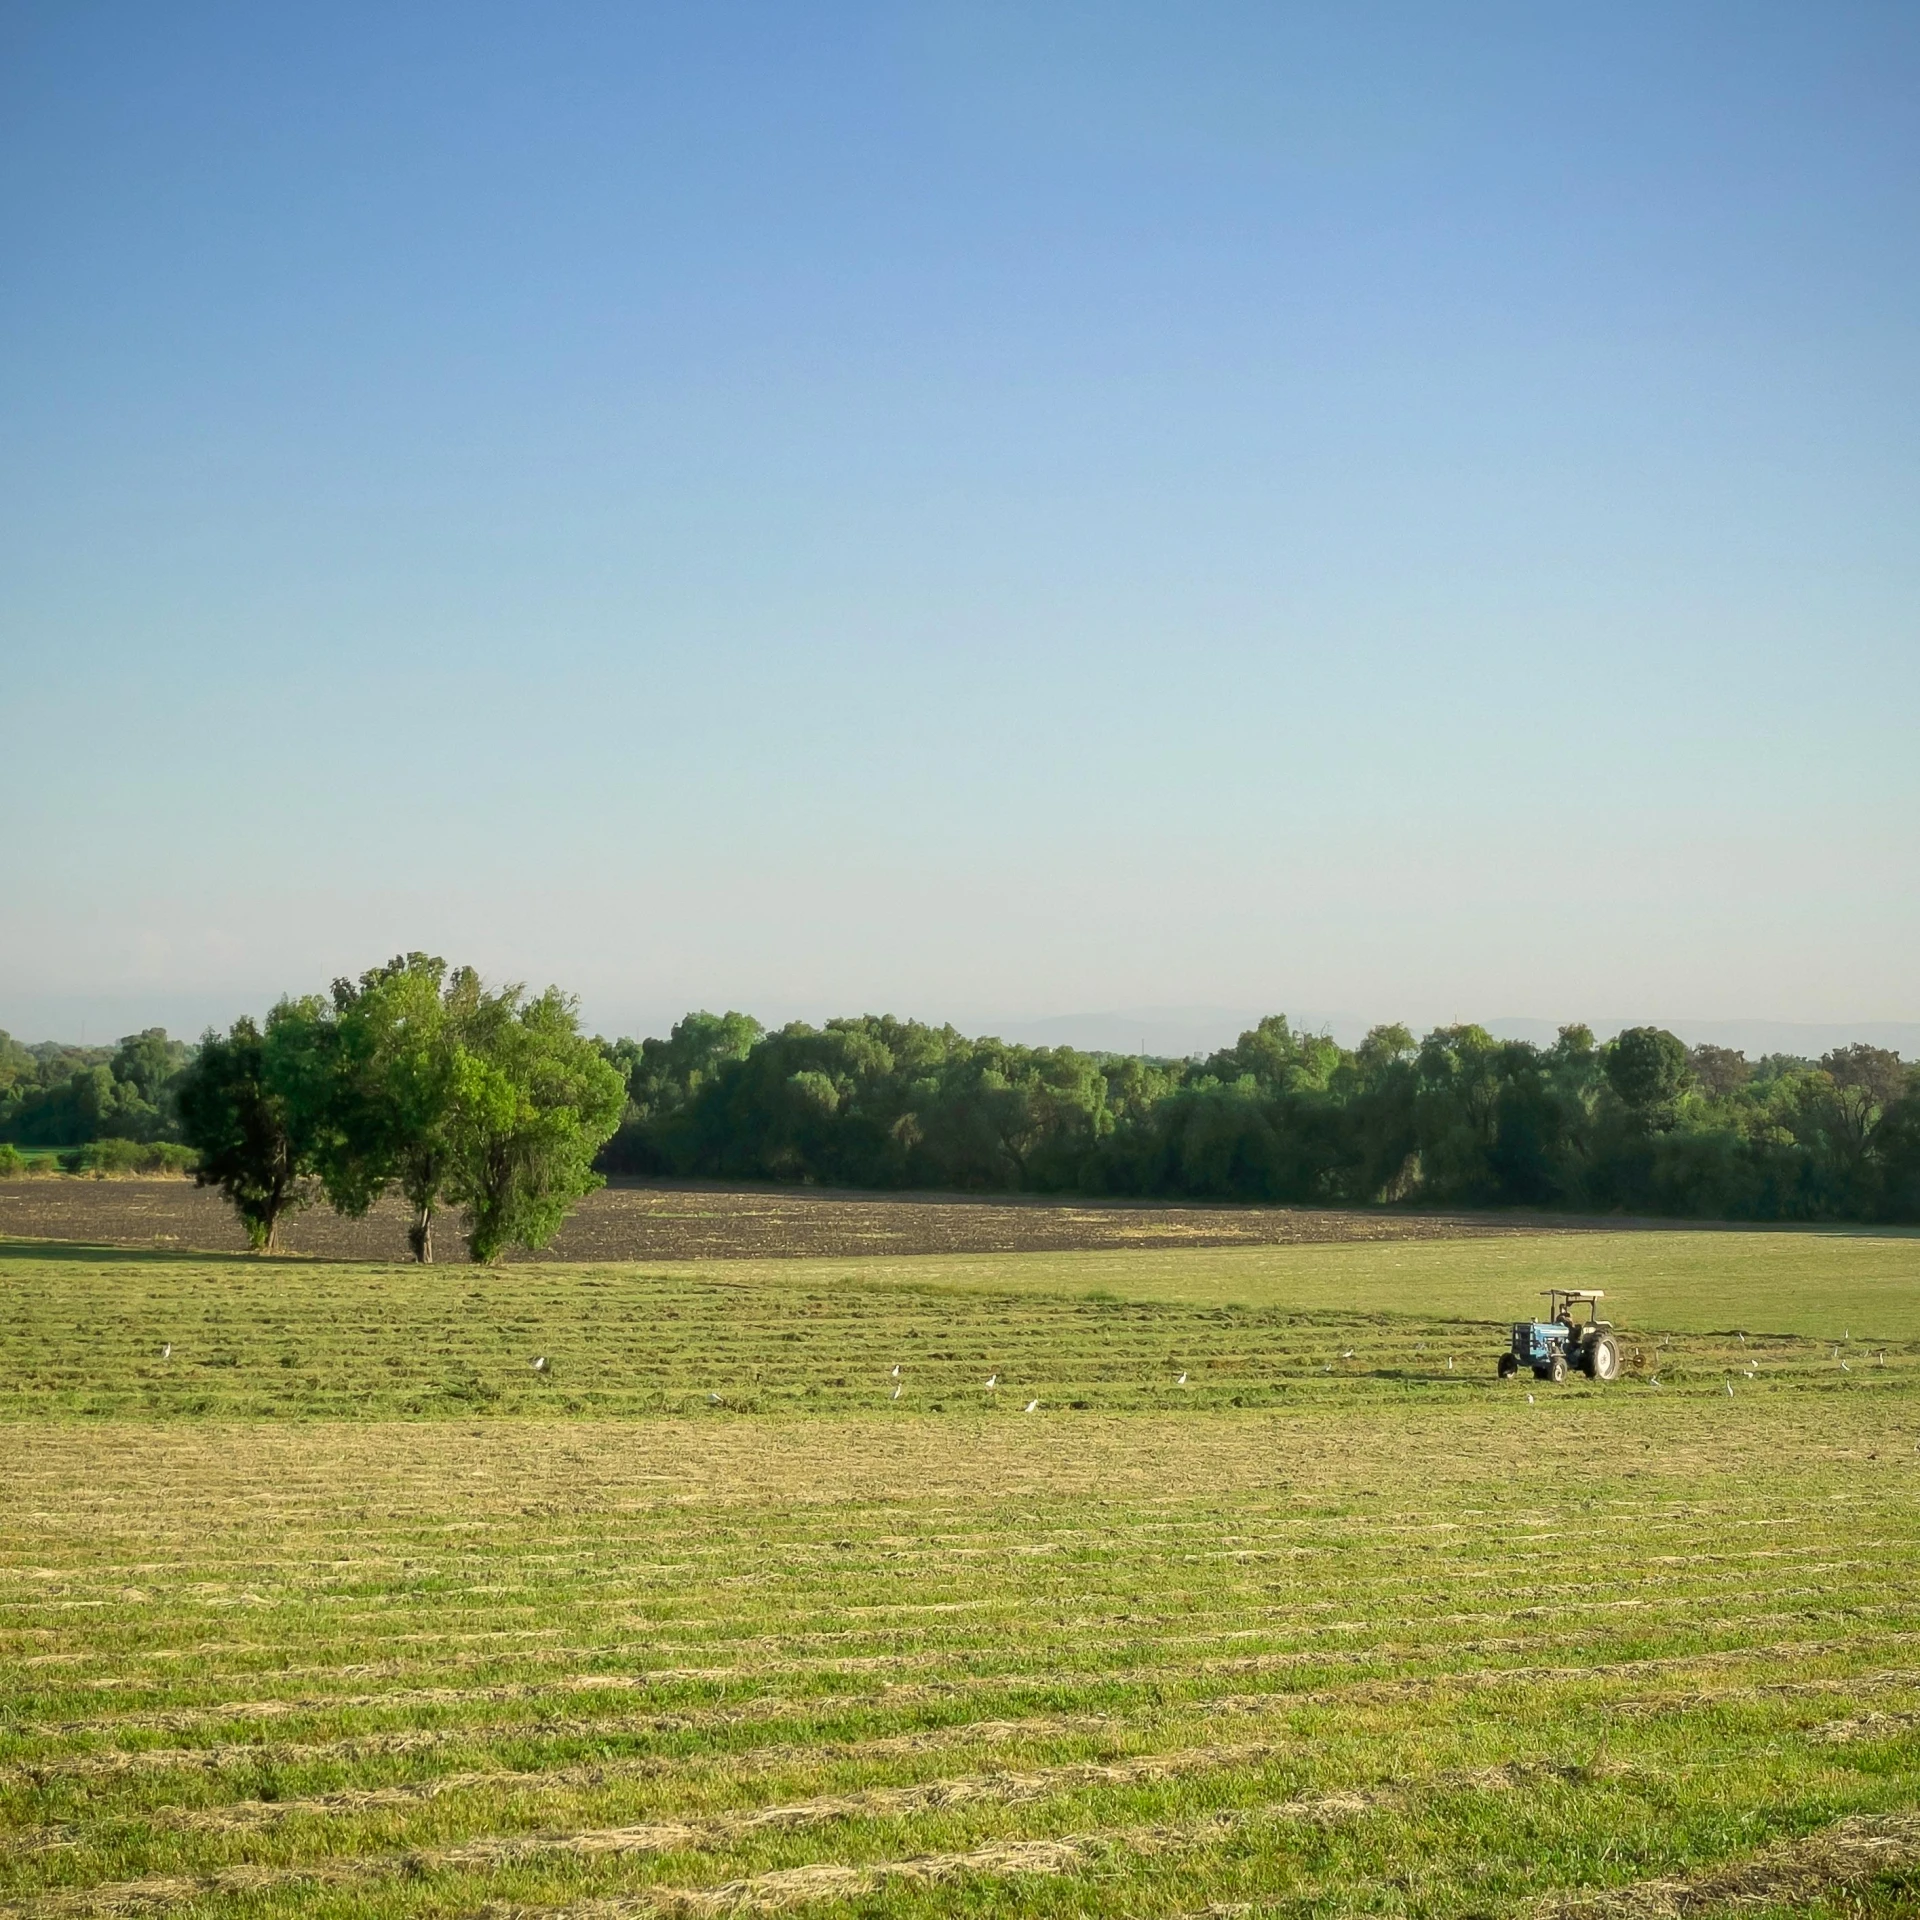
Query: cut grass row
96	1333
1330	1630
1444	1661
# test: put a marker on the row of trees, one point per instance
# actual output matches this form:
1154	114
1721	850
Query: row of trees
54	1095
414	1080
1640	1124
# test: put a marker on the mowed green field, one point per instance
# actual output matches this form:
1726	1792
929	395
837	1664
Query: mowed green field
342	1609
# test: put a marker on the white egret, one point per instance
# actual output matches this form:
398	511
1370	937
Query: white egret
540	1365
993	1380
166	1352
1182	1381
1033	1406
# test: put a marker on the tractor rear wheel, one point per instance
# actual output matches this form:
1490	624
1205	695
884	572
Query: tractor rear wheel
1509	1366
1603	1358
1557	1368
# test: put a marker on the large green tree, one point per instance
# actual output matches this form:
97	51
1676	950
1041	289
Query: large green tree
1647	1068
534	1102
384	1106
243	1105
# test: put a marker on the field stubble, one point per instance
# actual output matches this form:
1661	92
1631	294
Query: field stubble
642	1220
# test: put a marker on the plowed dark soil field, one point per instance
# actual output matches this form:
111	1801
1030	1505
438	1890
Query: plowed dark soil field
642	1221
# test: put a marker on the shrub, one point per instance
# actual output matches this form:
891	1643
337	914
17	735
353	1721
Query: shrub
101	1157
13	1163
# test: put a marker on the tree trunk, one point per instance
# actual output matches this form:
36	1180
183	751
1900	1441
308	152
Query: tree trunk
420	1234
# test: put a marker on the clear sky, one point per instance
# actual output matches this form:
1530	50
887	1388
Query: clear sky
984	512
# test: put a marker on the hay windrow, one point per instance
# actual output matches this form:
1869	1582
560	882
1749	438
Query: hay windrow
1844	1855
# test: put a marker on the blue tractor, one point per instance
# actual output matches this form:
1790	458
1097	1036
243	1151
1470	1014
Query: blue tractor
1564	1339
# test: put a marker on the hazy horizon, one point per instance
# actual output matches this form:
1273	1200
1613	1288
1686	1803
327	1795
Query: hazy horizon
993	513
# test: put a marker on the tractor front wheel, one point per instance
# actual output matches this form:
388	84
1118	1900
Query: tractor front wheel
1509	1366
1557	1368
1603	1358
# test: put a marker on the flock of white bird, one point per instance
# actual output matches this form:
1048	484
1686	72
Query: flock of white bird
540	1366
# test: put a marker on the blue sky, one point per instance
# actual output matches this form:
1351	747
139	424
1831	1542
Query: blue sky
987	512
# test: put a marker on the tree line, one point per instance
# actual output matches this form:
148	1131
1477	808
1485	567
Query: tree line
416	1080
55	1095
1640	1124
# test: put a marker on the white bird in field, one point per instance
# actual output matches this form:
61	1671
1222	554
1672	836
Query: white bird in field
540	1365
1844	1368
1033	1406
1529	1399
1182	1381
713	1399
993	1380
1348	1355
1729	1389
166	1352
898	1391
1743	1339
895	1375
1449	1363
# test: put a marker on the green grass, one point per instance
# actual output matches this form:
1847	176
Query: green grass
1251	1327
297	1621
1817	1284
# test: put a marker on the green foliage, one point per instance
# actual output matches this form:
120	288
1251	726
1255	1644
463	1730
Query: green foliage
1647	1070
412	1077
18	1068
663	1079
533	1102
244	1108
13	1163
386	1100
1718	1071
1458	1119
129	1156
1896	1149
58	1096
